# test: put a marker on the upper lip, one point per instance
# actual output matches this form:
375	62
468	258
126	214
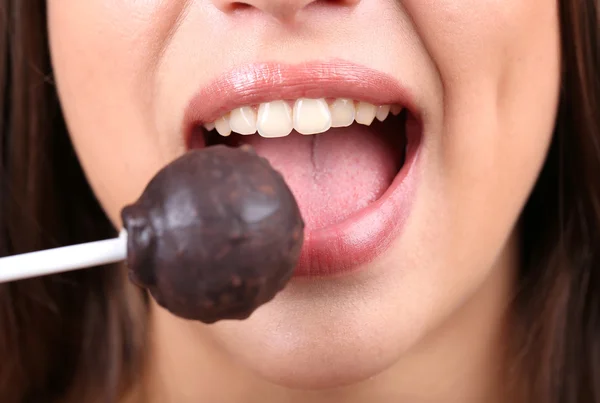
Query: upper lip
256	83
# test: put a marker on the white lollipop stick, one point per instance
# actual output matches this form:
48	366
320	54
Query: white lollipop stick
63	259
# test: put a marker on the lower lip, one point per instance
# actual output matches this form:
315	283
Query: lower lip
347	246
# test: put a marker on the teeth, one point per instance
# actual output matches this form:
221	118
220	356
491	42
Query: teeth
311	116
382	112
274	119
396	109
243	120
365	113
308	116
342	112
222	126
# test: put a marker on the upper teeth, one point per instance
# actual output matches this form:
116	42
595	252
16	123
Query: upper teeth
307	116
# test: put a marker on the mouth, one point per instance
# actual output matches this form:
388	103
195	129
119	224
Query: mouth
345	138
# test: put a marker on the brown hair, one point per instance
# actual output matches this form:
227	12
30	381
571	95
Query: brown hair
74	334
558	306
71	336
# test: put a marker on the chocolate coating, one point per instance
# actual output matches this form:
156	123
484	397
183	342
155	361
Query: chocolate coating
215	234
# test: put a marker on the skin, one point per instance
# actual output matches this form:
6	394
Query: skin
424	321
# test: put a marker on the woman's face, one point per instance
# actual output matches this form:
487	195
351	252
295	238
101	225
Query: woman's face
401	248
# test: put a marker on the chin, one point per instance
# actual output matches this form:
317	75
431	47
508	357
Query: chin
322	334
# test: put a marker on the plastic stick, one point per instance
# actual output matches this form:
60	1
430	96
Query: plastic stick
63	259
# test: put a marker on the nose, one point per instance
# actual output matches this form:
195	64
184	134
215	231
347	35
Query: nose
282	10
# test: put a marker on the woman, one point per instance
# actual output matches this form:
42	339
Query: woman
464	264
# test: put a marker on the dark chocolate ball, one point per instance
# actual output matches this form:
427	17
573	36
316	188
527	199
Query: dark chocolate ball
215	234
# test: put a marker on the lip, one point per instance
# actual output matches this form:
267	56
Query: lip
263	82
360	238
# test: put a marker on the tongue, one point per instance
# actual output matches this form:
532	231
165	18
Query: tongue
333	174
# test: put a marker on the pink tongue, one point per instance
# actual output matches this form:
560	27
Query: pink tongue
333	174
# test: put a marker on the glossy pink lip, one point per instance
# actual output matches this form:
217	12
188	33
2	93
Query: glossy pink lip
360	238
257	83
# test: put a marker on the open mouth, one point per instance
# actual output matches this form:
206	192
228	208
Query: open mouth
347	161
338	156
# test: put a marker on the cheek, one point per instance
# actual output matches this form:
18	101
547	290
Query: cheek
500	105
104	56
499	65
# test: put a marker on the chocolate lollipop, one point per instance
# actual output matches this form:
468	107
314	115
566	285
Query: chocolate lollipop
215	234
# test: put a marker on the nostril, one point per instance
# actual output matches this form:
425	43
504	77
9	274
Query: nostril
238	6
283	10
